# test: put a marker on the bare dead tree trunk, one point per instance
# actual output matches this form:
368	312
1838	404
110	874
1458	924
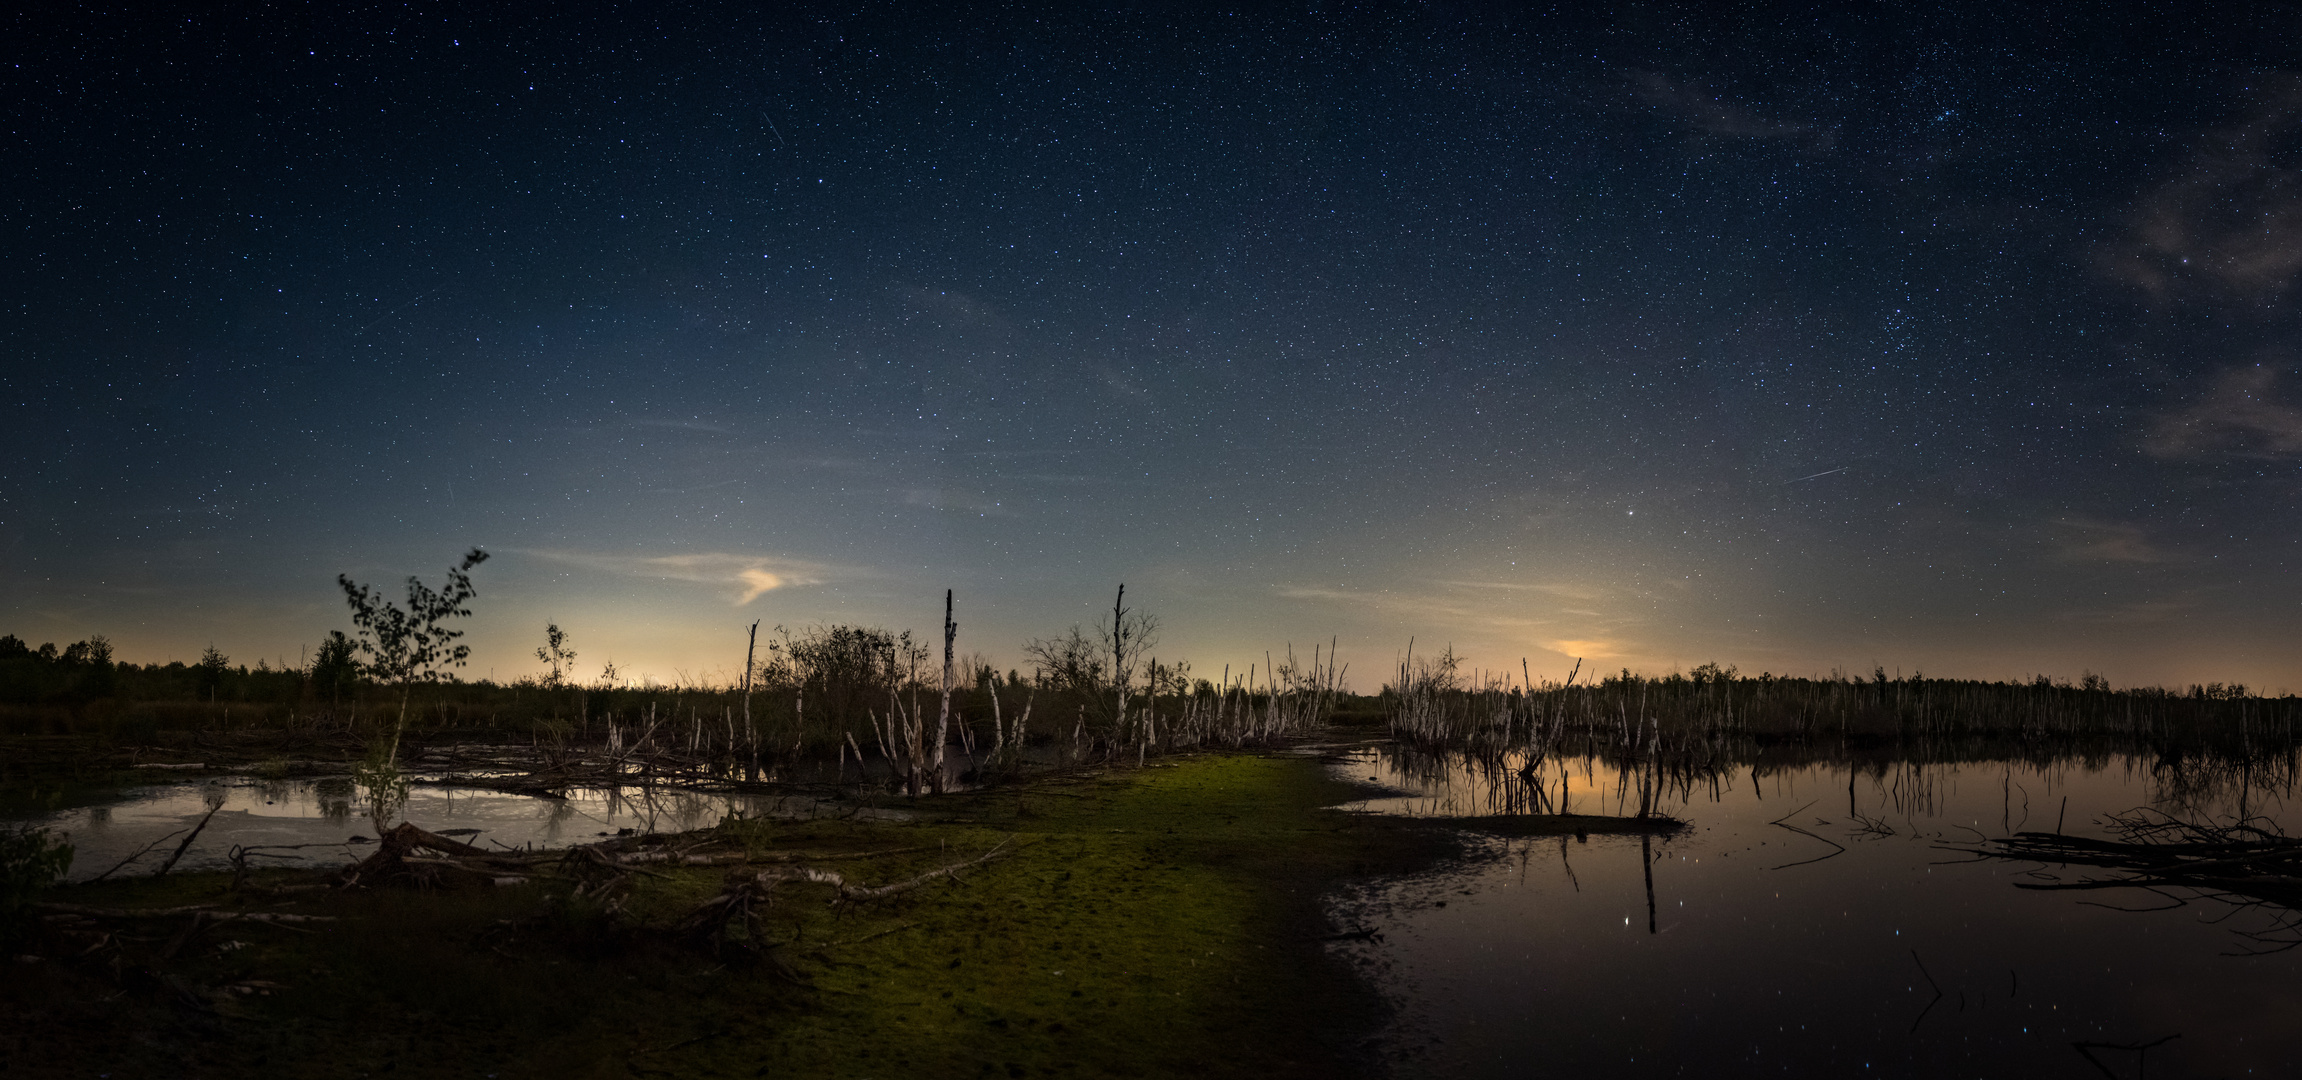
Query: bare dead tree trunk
1023	722
885	732
998	725
915	732
1119	655
1150	713
750	652
943	720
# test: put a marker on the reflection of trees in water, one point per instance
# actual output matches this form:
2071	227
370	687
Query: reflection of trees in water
335	797
1466	783
1909	782
2199	786
657	808
1484	742
556	822
1437	702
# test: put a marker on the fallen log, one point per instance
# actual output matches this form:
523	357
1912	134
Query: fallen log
738	858
746	896
390	861
851	893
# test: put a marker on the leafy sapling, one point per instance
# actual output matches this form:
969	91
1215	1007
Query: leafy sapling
30	859
555	651
405	647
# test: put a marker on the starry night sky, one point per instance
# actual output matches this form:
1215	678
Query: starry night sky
1958	338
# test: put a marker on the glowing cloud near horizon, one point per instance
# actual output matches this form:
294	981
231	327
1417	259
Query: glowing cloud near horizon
1586	650
757	581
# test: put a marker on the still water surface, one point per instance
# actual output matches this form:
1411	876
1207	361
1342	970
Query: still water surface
312	822
1536	958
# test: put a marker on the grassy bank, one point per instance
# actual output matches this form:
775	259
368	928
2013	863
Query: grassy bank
1149	922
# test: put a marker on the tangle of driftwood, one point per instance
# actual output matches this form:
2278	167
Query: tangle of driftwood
2245	864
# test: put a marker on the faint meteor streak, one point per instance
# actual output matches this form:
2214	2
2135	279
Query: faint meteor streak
1825	472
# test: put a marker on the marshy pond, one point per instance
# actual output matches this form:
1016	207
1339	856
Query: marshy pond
1825	919
319	822
1815	917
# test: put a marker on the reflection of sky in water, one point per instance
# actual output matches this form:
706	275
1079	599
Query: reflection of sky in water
1536	959
325	814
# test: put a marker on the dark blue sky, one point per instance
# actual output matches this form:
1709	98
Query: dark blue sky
1949	337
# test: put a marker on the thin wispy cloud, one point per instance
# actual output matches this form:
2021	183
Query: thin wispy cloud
1720	116
960	307
699	487
744	578
1422	606
2140	612
955	502
1586	648
755	582
1506	610
2089	540
2243	414
680	424
1571	592
2228	225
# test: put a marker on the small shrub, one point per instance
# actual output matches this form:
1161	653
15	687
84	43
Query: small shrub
30	860
384	785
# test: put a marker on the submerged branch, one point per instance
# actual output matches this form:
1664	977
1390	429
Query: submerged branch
2242	864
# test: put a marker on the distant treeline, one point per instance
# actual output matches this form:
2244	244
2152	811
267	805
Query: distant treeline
1436	701
810	691
819	688
85	672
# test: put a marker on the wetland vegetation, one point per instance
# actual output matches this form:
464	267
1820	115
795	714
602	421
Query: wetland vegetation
1151	921
1106	868
915	861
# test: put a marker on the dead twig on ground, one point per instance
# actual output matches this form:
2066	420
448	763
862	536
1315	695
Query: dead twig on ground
745	898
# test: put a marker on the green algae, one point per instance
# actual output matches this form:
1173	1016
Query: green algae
1140	922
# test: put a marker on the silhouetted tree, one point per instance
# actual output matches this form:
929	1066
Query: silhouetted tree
336	668
556	653
97	674
414	645
211	669
406	647
1099	668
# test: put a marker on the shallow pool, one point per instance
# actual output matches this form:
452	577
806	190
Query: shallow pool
315	822
1812	922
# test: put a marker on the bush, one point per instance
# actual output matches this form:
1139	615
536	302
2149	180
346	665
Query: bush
30	860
